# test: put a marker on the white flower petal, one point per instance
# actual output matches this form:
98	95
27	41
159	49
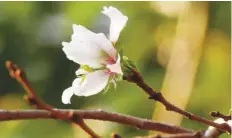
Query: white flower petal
229	122
220	121
211	130
116	68
81	72
77	83
83	48
67	94
81	29
106	45
94	83
117	22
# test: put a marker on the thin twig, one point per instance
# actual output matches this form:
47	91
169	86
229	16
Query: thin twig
220	115
196	134
136	122
157	96
77	116
16	73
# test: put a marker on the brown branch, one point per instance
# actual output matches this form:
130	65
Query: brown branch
136	122
77	116
196	134
114	135
157	96
16	73
220	115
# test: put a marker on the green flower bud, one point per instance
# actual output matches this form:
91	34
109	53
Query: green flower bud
127	67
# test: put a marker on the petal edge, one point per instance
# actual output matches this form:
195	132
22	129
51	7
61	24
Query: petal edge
117	22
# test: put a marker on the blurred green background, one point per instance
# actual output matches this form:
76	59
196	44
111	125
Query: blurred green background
31	34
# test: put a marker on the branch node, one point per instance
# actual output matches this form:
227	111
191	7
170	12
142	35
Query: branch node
31	100
220	115
114	135
52	115
198	134
156	96
10	68
75	117
18	73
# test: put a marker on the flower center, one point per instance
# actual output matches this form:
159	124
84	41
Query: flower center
109	72
110	60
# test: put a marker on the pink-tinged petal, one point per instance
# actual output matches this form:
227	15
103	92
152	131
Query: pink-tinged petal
93	83
106	45
116	68
117	22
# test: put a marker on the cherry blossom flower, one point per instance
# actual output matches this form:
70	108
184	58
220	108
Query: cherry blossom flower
99	60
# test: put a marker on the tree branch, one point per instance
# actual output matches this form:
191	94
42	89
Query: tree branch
157	96
114	135
196	134
16	73
136	122
77	116
220	115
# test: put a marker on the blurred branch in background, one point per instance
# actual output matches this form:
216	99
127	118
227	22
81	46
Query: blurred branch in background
184	59
220	115
197	134
18	74
139	123
77	118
